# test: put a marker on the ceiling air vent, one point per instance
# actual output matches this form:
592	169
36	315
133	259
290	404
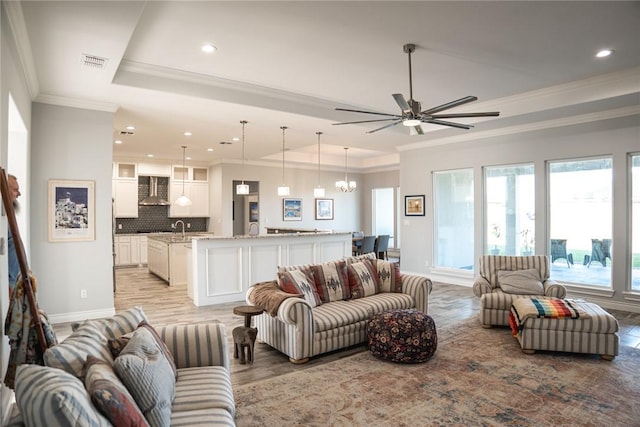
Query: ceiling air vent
127	132
93	61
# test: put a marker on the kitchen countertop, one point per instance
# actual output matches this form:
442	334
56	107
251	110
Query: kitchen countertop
177	238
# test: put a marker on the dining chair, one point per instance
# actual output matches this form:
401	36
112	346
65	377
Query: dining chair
356	242
381	246
368	244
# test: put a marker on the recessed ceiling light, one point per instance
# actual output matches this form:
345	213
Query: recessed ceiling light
131	127
149	155
208	48
188	158
209	149
235	138
117	141
187	133
604	53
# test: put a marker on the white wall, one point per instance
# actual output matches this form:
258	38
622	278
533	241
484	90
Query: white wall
74	144
616	138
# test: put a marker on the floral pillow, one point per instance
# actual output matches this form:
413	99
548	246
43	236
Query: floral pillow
300	282
363	278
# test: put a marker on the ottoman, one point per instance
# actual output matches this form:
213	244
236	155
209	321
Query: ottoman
596	333
402	336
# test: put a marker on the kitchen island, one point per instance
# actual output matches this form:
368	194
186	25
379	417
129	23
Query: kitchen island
168	255
223	268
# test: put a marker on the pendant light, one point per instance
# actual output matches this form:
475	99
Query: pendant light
345	186
183	200
319	190
283	190
242	189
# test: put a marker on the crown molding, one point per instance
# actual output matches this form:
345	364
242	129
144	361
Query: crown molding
77	103
18	28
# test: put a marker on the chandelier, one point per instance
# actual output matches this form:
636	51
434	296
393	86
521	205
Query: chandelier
319	190
242	189
283	189
345	185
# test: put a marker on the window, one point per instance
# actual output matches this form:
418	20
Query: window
384	219
510	210
635	223
453	218
580	205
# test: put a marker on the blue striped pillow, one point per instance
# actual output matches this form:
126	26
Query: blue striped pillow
50	397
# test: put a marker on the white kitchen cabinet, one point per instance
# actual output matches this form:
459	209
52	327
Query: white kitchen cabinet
125	198
130	250
125	171
158	253
177	264
198	192
123	250
143	250
153	169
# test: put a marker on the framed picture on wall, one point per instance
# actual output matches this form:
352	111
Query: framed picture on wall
71	211
292	209
414	205
324	208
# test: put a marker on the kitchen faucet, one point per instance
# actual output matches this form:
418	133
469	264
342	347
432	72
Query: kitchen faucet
175	226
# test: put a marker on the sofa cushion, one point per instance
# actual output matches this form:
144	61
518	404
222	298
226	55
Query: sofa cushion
300	282
110	396
390	277
332	280
203	417
50	397
203	388
72	353
148	376
363	278
522	282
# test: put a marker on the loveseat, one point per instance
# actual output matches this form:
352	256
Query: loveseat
174	375
335	300
503	278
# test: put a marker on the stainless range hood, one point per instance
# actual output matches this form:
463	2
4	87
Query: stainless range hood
153	199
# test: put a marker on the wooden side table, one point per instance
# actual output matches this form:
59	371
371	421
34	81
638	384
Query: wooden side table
247	311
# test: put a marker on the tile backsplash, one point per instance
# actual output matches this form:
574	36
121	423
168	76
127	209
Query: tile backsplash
153	219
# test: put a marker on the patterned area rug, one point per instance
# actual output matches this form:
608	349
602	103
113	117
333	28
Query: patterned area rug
476	377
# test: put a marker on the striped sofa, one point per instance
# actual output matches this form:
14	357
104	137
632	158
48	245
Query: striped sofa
301	332
200	395
495	303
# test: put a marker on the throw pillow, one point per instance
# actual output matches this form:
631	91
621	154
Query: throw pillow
332	281
390	277
523	282
148	376
300	282
358	258
363	279
71	354
163	347
50	397
116	345
110	396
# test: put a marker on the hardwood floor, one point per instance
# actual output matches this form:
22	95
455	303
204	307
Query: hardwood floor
448	304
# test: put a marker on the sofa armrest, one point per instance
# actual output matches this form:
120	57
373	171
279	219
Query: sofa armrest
419	287
196	345
554	289
481	286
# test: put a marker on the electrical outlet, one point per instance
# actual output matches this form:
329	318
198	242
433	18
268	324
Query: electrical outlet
188	225
83	294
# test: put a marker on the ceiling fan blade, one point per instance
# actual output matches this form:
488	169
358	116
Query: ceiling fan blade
367	112
402	103
460	115
445	123
384	127
451	104
366	121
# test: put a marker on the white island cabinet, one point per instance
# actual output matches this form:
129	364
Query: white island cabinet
223	268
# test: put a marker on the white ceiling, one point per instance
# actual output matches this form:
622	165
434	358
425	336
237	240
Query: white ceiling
292	63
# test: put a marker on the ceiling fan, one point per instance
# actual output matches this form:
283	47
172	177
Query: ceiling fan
411	115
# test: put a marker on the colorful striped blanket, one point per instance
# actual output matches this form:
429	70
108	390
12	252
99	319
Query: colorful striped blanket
550	308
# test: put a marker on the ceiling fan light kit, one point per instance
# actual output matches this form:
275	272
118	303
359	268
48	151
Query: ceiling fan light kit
411	115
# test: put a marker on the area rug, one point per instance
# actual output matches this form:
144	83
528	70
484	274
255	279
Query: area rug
477	377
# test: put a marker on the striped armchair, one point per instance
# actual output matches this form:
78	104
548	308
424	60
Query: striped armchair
495	303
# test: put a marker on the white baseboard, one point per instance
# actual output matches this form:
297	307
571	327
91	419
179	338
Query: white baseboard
79	316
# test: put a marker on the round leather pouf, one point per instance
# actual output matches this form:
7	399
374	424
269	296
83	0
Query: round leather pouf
402	336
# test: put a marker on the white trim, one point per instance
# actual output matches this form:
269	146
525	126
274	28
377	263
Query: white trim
76	103
21	37
79	316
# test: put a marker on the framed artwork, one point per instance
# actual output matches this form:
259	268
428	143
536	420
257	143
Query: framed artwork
324	208
71	211
292	209
414	205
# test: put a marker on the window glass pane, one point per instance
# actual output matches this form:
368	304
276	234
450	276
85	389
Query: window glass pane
510	210
383	213
580	202
453	203
635	223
